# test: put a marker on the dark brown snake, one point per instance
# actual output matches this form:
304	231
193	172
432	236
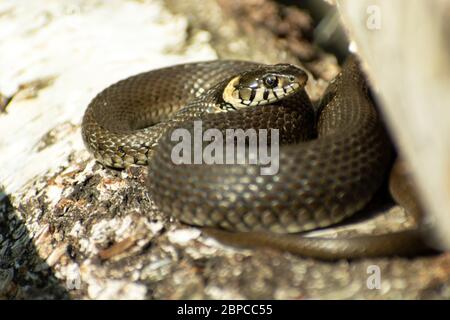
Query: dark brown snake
330	164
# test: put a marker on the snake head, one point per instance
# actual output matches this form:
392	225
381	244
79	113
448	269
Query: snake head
264	85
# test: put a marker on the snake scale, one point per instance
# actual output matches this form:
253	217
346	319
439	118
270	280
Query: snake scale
331	162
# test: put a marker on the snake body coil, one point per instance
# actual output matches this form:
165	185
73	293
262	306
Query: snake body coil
330	165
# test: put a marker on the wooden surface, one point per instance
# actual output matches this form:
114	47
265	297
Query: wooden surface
406	48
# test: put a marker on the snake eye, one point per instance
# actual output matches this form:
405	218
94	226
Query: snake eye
291	78
270	81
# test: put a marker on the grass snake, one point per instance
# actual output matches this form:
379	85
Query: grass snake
331	162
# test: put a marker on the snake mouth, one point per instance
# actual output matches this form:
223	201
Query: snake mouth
264	86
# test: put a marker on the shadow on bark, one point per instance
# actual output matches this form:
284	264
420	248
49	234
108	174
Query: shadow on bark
23	273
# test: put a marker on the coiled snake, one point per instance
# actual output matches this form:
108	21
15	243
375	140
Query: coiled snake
330	164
